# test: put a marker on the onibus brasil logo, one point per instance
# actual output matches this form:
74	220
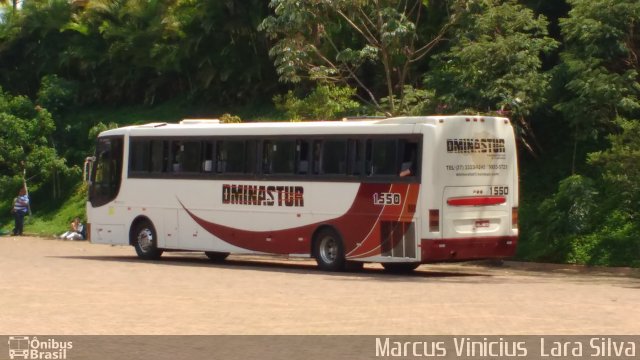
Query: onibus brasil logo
31	348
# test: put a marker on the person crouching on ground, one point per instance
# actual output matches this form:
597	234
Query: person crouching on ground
20	208
75	231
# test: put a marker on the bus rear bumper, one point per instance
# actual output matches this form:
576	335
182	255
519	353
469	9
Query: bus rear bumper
439	250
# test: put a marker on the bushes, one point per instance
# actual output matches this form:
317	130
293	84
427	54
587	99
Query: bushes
592	221
326	102
568	213
577	226
615	243
57	94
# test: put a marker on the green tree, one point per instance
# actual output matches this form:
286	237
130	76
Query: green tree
14	4
619	169
131	48
494	62
136	50
223	56
344	42
600	66
31	41
25	149
592	220
326	102
598	97
56	94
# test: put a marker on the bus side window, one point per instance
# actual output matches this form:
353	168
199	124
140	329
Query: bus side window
139	157
267	157
381	157
221	157
190	156
369	169
159	156
283	156
334	157
176	155
250	156
235	156
409	160
302	156
356	156
207	156
317	156
279	157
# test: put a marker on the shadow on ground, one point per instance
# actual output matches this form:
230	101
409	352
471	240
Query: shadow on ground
306	266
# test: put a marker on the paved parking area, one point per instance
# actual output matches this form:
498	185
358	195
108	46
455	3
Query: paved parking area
62	287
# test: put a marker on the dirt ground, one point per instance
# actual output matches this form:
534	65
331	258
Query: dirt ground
50	286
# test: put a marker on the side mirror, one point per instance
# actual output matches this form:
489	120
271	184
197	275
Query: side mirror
88	168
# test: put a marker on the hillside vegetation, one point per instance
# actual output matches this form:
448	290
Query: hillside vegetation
566	72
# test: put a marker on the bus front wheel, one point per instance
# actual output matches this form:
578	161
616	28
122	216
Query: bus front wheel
145	241
329	250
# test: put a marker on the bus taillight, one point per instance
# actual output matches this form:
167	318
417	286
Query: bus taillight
514	218
477	200
434	220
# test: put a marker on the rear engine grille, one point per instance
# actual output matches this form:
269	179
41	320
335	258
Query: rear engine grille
398	239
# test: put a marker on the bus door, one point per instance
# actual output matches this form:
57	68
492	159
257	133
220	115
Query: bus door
475	211
105	179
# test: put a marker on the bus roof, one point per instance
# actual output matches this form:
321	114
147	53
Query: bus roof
347	126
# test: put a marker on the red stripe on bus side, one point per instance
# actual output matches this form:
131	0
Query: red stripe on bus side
359	228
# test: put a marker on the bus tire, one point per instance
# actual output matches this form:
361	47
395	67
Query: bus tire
400	268
329	250
216	256
145	241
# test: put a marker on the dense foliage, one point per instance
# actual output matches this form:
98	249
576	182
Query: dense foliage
567	72
26	152
495	62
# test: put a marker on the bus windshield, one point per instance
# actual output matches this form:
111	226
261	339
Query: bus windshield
106	174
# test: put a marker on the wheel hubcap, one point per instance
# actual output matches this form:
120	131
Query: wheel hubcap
145	239
328	249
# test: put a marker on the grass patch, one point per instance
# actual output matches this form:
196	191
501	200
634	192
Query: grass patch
54	222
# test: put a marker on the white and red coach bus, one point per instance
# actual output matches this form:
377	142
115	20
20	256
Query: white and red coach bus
399	191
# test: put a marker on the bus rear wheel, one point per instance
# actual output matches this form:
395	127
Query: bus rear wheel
216	256
329	250
145	241
400	268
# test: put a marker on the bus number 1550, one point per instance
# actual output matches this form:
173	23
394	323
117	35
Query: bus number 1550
386	198
499	190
